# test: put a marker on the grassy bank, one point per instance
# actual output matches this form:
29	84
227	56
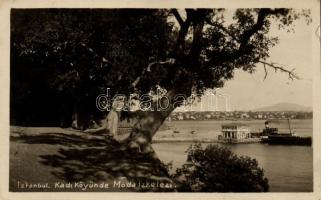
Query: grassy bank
63	156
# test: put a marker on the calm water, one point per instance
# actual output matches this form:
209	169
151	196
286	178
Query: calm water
288	168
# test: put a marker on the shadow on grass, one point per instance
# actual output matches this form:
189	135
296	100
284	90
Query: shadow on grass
68	140
92	159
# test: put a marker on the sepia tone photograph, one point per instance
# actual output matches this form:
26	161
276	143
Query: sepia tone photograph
161	100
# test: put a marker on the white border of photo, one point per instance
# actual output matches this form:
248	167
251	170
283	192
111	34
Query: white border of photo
6	5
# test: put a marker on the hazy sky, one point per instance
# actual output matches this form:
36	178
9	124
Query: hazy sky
250	91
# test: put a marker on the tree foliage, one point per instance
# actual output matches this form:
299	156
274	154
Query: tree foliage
74	55
63	58
217	169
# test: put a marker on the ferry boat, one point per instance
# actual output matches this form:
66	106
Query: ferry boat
272	136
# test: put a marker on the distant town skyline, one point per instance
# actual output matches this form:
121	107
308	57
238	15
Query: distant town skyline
224	105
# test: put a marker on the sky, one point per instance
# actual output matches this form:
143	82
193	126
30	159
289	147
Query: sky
250	91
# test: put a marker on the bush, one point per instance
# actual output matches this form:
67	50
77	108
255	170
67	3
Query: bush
217	169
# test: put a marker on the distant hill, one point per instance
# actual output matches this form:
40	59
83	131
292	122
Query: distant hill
285	107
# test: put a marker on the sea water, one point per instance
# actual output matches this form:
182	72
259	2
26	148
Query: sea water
288	168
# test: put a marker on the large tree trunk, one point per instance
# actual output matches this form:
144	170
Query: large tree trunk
148	123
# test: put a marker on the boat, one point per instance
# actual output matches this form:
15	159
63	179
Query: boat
272	136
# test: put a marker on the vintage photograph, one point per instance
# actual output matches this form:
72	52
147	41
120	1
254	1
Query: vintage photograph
161	100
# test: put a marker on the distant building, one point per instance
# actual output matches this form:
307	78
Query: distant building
235	131
245	116
180	117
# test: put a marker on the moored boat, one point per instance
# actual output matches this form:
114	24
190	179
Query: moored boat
272	136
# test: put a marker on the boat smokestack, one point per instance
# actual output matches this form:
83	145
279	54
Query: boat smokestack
266	124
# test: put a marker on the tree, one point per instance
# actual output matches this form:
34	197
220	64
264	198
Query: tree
74	55
217	169
139	51
206	53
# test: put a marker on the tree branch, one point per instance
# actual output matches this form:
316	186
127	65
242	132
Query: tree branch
221	27
278	67
95	54
148	69
178	17
262	15
198	19
180	42
247	34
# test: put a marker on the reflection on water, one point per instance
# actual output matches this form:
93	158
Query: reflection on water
288	168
